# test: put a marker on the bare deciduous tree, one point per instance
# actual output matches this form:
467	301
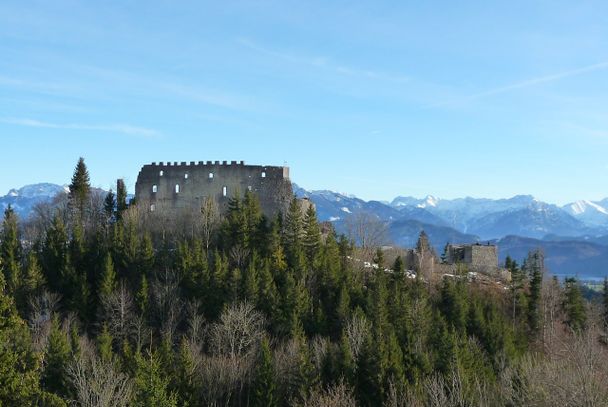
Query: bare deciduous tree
357	328
118	310
367	231
98	383
339	395
42	307
238	331
574	373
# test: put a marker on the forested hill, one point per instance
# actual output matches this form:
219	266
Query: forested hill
102	304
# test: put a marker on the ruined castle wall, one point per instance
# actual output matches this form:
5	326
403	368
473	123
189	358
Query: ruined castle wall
484	256
170	187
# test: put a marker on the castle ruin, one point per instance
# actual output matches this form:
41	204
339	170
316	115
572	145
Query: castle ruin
173	187
458	258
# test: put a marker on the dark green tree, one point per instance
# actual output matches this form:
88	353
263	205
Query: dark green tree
121	198
80	189
10	251
605	302
109	204
263	388
19	365
574	305
151	384
107	283
534	266
312	235
57	359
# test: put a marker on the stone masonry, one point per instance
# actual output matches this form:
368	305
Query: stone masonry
174	187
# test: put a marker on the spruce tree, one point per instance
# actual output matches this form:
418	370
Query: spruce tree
19	365
80	189
398	265
55	254
109	204
107	283
293	232
605	302
312	235
263	392
104	344
58	356
10	251
151	385
121	198
34	279
574	305
534	267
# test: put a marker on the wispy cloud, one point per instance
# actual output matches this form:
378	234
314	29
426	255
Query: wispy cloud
524	84
322	62
120	128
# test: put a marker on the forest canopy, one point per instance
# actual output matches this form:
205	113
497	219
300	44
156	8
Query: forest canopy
103	304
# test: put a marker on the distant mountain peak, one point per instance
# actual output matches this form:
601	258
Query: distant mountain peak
430	200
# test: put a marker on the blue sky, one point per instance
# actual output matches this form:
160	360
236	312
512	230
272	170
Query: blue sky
374	98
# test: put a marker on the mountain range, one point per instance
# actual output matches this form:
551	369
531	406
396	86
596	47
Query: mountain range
574	236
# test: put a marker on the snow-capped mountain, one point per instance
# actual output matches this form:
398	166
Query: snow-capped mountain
575	236
23	200
588	212
535	220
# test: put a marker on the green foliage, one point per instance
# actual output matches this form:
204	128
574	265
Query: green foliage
108	279
534	267
57	357
109	203
10	251
376	331
104	344
574	305
121	198
19	365
151	384
80	189
263	388
605	302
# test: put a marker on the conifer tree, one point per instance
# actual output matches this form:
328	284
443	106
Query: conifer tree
293	232
534	266
121	198
55	253
251	280
252	219
141	297
18	363
605	302
80	189
34	279
108	279
10	251
58	356
574	305
104	344
398	265
312	235
109	204
268	295
186	376
263	388
151	385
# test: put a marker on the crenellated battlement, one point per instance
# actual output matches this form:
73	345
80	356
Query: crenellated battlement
193	163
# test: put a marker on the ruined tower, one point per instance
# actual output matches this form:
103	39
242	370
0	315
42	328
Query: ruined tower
171	187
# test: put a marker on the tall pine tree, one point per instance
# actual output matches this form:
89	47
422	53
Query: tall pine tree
80	190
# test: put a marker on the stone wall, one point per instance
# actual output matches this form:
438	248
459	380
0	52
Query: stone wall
171	187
